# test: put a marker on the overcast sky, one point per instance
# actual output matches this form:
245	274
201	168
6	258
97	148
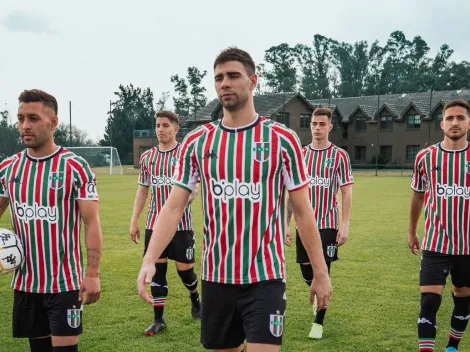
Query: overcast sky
81	51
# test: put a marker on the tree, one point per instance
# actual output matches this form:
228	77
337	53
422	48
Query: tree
282	77
133	110
161	103
261	73
79	137
188	103
10	141
306	63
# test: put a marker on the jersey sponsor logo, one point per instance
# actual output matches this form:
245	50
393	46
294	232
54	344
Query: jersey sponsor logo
56	180
225	190
73	317
261	150
276	324
319	181
452	191
160	181
28	212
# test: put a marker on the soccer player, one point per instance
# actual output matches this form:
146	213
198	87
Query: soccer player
50	190
156	170
441	182
244	161
329	170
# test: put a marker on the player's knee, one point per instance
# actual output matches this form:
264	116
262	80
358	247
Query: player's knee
462	304
430	303
189	278
307	273
43	344
160	274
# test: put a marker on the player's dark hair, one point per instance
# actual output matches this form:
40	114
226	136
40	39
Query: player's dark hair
170	115
457	102
321	111
39	96
235	54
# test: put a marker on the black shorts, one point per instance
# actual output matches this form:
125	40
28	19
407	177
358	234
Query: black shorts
328	241
435	267
43	314
233	313
180	249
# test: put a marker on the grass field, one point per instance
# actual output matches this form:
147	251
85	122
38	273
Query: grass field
374	306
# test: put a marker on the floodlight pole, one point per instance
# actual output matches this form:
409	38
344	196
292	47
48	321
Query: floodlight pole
70	115
377	134
111	161
429	119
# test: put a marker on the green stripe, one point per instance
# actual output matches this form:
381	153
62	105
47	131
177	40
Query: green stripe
216	203
247	176
31	223
231	206
60	239
47	233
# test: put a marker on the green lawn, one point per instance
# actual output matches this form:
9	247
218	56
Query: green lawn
374	306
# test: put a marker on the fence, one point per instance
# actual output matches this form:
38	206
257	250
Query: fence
372	169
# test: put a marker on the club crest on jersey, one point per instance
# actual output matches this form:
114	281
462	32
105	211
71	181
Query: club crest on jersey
467	167
330	251
261	150
56	180
189	253
73	318
276	324
330	162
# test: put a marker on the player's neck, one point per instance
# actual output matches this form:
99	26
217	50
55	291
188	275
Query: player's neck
320	144
167	146
243	117
450	144
45	150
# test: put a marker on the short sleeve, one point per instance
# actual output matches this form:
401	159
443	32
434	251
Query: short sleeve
144	175
3	186
294	169
85	182
186	174
419	179
345	174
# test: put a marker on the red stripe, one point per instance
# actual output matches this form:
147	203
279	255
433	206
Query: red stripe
318	215
256	167
152	214
65	261
239	213
24	199
466	209
210	233
38	229
223	233
455	203
19	278
53	233
444	205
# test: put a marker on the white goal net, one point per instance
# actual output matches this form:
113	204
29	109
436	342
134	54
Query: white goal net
101	159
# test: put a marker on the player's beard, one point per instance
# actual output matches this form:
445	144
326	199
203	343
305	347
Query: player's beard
37	142
456	137
236	103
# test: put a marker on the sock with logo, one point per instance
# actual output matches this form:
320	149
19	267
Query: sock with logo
40	345
189	279
159	289
430	303
459	320
321	313
72	348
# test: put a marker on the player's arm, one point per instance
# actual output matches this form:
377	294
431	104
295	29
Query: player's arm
416	207
163	231
93	242
139	204
310	236
288	216
4	201
346	201
193	194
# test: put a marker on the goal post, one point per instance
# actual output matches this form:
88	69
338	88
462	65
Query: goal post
101	159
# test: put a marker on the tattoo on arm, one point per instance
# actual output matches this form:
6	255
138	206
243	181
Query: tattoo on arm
93	258
289	211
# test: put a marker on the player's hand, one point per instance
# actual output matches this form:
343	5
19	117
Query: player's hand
90	288
134	232
343	235
147	271
287	236
413	243
321	287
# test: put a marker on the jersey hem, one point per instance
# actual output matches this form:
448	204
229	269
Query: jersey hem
17	288
347	183
299	187
241	282
143	184
418	190
182	186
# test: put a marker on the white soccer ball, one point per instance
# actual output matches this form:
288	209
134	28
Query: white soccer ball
11	251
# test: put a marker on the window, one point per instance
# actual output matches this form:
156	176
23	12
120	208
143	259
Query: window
283	117
334	121
360	153
361	124
386	152
438	119
386	124
413	122
305	120
411	152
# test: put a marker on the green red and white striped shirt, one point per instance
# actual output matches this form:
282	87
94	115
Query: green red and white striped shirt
43	196
444	176
328	169
156	171
243	174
